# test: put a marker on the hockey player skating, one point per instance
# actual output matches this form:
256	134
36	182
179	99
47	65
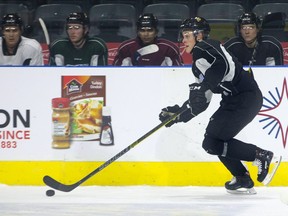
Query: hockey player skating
147	49
251	47
78	49
15	48
216	71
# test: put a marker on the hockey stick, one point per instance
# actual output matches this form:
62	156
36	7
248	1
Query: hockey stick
148	49
145	51
51	182
45	50
45	31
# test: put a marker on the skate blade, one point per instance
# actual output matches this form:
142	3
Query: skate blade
243	191
274	165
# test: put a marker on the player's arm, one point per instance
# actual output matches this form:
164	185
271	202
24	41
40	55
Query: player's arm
120	59
199	97
38	57
103	57
33	54
279	60
52	60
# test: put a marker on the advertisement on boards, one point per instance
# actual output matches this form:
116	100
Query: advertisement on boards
91	114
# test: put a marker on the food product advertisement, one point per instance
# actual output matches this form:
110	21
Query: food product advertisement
87	98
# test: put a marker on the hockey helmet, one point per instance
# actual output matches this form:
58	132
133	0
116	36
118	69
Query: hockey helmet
249	18
11	19
196	25
78	17
147	20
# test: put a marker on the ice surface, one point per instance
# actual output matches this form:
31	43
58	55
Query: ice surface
141	200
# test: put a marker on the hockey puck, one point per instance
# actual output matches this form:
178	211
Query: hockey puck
50	193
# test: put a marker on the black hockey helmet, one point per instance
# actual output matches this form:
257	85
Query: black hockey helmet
78	17
196	25
249	18
11	19
147	20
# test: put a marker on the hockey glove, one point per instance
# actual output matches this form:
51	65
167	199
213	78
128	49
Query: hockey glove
171	110
197	98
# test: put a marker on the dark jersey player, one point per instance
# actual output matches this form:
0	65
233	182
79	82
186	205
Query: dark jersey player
147	49
78	49
251	47
216	71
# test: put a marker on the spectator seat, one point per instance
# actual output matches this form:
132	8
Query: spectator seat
273	24
113	22
170	16
54	16
264	9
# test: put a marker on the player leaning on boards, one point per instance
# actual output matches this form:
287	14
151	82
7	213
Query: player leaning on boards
251	47
216	71
147	49
78	49
15	48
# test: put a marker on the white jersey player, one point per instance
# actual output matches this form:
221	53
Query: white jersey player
16	49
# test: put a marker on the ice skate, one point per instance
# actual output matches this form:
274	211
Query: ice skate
267	172
263	160
240	185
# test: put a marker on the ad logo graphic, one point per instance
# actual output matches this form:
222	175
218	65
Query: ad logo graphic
73	87
274	113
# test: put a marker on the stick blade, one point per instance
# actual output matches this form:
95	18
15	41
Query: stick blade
49	181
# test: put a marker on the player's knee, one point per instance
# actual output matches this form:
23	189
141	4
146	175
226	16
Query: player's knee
212	146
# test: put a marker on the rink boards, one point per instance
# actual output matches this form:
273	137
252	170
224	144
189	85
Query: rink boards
171	156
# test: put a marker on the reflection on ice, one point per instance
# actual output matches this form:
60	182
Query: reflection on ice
141	200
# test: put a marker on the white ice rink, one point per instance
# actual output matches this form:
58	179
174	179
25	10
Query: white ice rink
142	200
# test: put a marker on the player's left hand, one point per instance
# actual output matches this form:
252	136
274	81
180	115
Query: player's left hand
167	112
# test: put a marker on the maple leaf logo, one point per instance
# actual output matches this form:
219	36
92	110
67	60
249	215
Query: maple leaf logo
275	106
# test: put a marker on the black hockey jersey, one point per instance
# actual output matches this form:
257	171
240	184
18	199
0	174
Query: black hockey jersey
268	51
220	71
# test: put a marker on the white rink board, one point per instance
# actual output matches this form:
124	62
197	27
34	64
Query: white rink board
136	96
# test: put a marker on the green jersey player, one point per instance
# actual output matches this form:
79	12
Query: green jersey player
78	49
